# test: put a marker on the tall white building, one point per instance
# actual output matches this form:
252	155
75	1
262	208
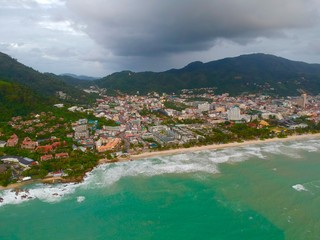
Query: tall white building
234	114
203	107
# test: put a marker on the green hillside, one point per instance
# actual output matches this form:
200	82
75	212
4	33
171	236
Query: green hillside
42	83
260	73
19	100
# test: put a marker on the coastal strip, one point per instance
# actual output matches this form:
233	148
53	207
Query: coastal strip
145	155
212	147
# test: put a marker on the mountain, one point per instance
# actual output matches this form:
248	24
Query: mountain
79	77
253	73
77	81
45	84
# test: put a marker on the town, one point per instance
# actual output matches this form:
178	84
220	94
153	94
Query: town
71	140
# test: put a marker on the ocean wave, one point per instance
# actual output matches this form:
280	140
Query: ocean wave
310	146
42	192
299	187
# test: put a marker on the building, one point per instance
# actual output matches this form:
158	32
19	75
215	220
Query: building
61	155
27	143
25	162
302	100
12	141
44	149
204	107
81	130
233	114
46	157
109	144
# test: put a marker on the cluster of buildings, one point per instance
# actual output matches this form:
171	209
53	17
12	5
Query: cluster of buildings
143	120
135	123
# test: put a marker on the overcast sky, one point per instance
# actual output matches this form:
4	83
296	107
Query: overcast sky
98	37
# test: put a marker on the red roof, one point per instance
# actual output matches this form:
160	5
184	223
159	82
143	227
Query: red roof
46	148
62	155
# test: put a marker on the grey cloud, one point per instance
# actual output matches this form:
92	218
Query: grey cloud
151	27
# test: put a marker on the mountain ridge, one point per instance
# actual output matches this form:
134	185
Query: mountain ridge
256	72
46	84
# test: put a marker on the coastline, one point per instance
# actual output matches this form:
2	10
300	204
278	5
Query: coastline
169	152
215	146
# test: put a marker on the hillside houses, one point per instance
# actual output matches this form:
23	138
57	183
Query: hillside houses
12	141
27	143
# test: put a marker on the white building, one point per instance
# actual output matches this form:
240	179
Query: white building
233	114
204	107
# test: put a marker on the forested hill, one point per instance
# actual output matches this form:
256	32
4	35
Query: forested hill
19	100
42	83
247	73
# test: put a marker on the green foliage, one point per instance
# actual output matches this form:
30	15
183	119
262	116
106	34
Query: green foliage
175	106
44	84
19	100
145	112
5	178
191	121
75	166
244	132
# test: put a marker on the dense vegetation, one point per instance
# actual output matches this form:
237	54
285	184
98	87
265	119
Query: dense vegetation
44	84
249	73
19	100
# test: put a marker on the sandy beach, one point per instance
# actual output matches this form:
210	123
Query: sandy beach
173	152
216	146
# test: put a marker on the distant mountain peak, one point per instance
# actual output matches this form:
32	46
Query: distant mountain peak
194	65
80	77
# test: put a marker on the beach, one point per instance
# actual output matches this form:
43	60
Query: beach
168	153
215	146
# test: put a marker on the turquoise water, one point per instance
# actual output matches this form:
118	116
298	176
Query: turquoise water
269	191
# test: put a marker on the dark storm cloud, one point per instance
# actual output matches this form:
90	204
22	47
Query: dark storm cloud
157	27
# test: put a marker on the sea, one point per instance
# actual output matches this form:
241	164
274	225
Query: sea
262	191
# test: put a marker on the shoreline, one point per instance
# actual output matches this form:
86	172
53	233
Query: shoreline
214	146
169	152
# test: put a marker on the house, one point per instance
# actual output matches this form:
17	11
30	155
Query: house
25	162
263	123
61	155
27	143
12	141
46	157
55	145
44	149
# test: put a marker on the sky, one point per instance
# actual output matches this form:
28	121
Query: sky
99	37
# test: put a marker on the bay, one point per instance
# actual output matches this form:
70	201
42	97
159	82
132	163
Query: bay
265	191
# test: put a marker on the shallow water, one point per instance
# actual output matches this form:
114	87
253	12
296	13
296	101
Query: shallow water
267	191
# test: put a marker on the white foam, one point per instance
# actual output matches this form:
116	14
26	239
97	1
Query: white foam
42	192
299	187
80	199
109	174
309	146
